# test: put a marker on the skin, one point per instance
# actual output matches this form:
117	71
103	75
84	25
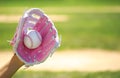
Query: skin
11	67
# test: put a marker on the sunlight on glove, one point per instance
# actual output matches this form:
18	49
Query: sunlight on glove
36	37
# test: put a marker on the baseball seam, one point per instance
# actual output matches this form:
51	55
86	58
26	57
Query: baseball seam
31	41
38	35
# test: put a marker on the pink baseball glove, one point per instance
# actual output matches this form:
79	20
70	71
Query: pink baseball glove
37	20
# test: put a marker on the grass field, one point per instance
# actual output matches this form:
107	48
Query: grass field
90	24
58	2
90	30
73	74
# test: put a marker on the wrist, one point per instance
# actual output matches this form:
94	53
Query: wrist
11	67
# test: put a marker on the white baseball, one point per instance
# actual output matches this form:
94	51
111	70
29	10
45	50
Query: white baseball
32	39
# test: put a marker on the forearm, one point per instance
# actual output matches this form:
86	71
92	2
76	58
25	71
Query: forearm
10	68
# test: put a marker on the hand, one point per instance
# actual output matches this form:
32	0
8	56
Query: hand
11	67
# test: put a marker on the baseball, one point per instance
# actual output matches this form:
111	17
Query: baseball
32	39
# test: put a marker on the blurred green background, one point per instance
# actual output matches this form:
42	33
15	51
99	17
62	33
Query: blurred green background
89	24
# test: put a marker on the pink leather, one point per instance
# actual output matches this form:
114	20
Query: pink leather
37	20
